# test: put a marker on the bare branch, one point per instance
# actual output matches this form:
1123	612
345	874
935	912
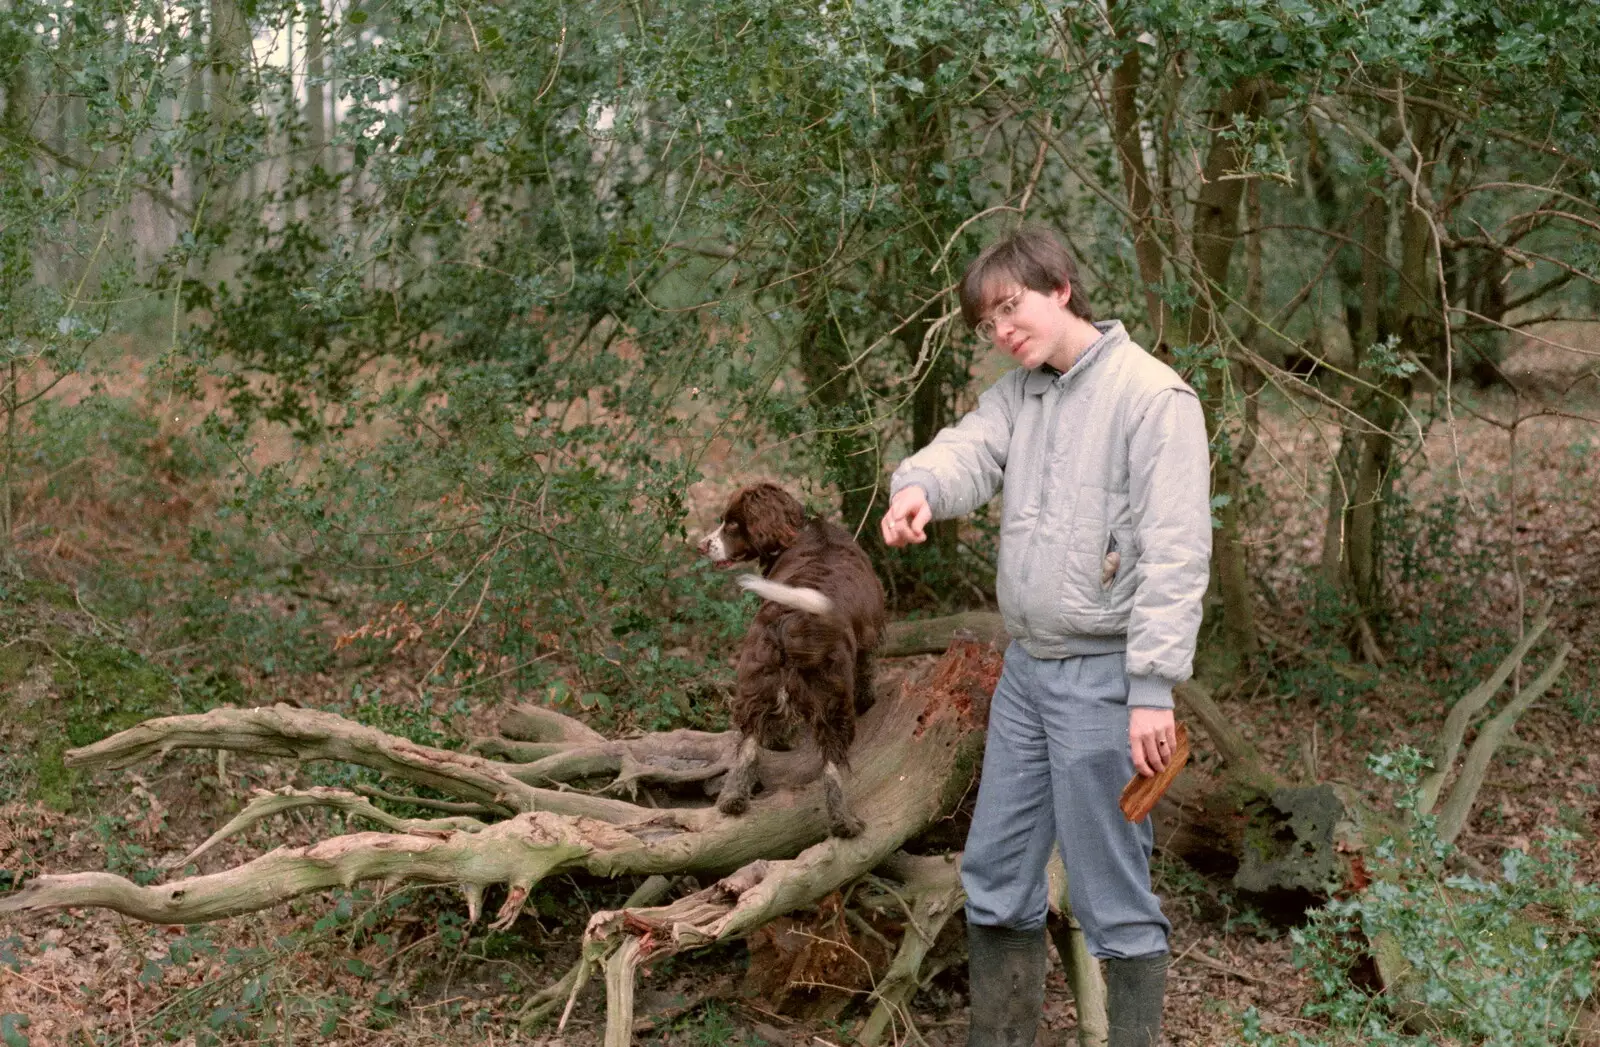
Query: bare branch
535	723
1336	114
1229	742
1468	706
1459	114
269	805
934	635
1080	965
671	758
520	852
509	751
310	734
913	760
29	142
1555	283
472	810
1458	807
933	895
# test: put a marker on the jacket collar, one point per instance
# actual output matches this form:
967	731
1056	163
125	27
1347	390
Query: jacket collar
1112	337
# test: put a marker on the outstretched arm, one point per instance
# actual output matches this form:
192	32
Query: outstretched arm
962	467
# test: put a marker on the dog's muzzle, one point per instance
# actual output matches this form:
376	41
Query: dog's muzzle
713	548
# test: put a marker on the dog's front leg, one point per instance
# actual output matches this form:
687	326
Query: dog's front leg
741	780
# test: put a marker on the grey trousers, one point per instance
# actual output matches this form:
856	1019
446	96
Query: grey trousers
1054	766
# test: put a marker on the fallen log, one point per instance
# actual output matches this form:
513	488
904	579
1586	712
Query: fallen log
934	635
917	752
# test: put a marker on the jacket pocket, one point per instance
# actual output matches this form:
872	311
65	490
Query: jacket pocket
1118	568
1110	566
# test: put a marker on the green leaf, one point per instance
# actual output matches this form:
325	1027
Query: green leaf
11	1026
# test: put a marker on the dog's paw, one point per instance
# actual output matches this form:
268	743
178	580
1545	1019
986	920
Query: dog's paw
847	826
733	805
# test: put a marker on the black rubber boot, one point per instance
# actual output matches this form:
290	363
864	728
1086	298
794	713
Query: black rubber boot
1006	970
1136	990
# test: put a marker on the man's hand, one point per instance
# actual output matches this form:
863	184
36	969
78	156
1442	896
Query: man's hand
907	515
1152	738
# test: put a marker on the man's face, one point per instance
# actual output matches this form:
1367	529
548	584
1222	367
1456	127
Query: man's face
1027	325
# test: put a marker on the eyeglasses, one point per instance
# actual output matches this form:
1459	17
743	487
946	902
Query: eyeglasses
1004	311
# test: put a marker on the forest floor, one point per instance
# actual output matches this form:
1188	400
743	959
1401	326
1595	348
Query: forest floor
353	968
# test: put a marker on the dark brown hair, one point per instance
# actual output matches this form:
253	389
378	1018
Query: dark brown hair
1033	257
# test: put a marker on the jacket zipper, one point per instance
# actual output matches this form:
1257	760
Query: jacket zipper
1049	410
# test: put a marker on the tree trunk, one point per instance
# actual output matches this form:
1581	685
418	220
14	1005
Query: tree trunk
228	57
316	98
316	105
1370	325
1136	176
1386	407
1216	229
14	125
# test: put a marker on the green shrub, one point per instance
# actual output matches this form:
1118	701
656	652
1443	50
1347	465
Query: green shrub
502	546
63	686
1504	961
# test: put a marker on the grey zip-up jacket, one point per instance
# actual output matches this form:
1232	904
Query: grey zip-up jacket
1110	457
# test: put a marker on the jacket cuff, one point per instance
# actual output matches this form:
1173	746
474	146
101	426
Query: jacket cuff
1149	692
922	478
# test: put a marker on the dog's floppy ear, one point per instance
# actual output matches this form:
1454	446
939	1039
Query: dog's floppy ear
770	516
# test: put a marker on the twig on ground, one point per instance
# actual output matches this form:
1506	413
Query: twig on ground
1217	965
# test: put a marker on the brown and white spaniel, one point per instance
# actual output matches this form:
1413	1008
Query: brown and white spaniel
808	655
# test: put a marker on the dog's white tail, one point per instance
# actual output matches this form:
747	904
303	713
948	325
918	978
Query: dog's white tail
809	600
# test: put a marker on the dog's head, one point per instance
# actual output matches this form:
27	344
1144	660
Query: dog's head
761	521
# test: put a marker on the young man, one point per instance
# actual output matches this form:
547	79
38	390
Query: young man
1104	546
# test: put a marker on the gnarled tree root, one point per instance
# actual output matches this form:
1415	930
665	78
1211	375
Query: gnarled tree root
937	732
915	756
930	892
